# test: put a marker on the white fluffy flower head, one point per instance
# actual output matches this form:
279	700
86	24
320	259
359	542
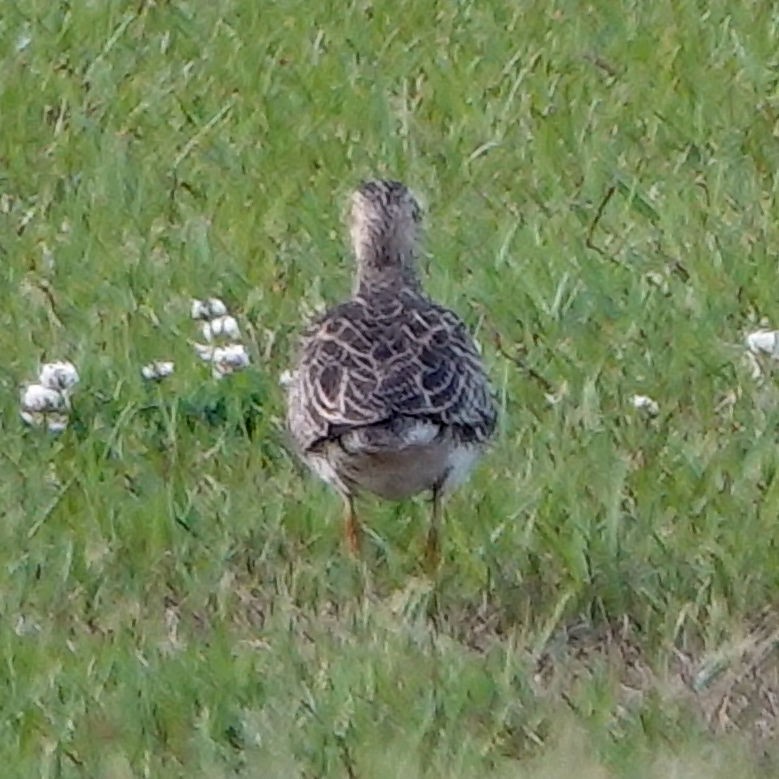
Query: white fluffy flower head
61	376
158	370
221	327
208	309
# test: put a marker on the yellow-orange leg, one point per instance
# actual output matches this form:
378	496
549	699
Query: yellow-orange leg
433	545
352	529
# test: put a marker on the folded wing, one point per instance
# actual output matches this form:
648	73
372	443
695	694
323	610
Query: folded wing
363	365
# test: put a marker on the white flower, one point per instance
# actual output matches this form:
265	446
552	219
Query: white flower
216	307
208	309
228	359
60	376
44	405
645	403
37	398
764	342
221	327
155	371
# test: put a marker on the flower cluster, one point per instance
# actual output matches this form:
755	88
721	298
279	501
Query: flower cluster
47	401
222	336
222	347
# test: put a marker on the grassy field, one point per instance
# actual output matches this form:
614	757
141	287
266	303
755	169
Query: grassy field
600	182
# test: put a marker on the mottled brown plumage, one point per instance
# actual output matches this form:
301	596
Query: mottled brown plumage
388	394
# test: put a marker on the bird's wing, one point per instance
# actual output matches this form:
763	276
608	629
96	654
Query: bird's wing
360	365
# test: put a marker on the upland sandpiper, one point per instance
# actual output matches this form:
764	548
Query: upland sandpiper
388	394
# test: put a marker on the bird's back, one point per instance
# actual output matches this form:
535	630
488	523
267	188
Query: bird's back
389	366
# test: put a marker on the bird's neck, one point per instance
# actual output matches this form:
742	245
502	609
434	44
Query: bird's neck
387	268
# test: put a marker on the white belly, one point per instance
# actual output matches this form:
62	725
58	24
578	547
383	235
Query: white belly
401	473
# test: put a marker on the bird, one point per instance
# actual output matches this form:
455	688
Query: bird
388	393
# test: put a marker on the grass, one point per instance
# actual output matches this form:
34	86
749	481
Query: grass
601	189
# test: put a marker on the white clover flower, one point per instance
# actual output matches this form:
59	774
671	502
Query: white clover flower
216	308
208	309
60	376
221	327
228	359
764	342
761	344
158	370
47	402
44	405
645	403
37	398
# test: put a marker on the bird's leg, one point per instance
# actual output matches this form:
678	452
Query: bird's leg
433	545
352	529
